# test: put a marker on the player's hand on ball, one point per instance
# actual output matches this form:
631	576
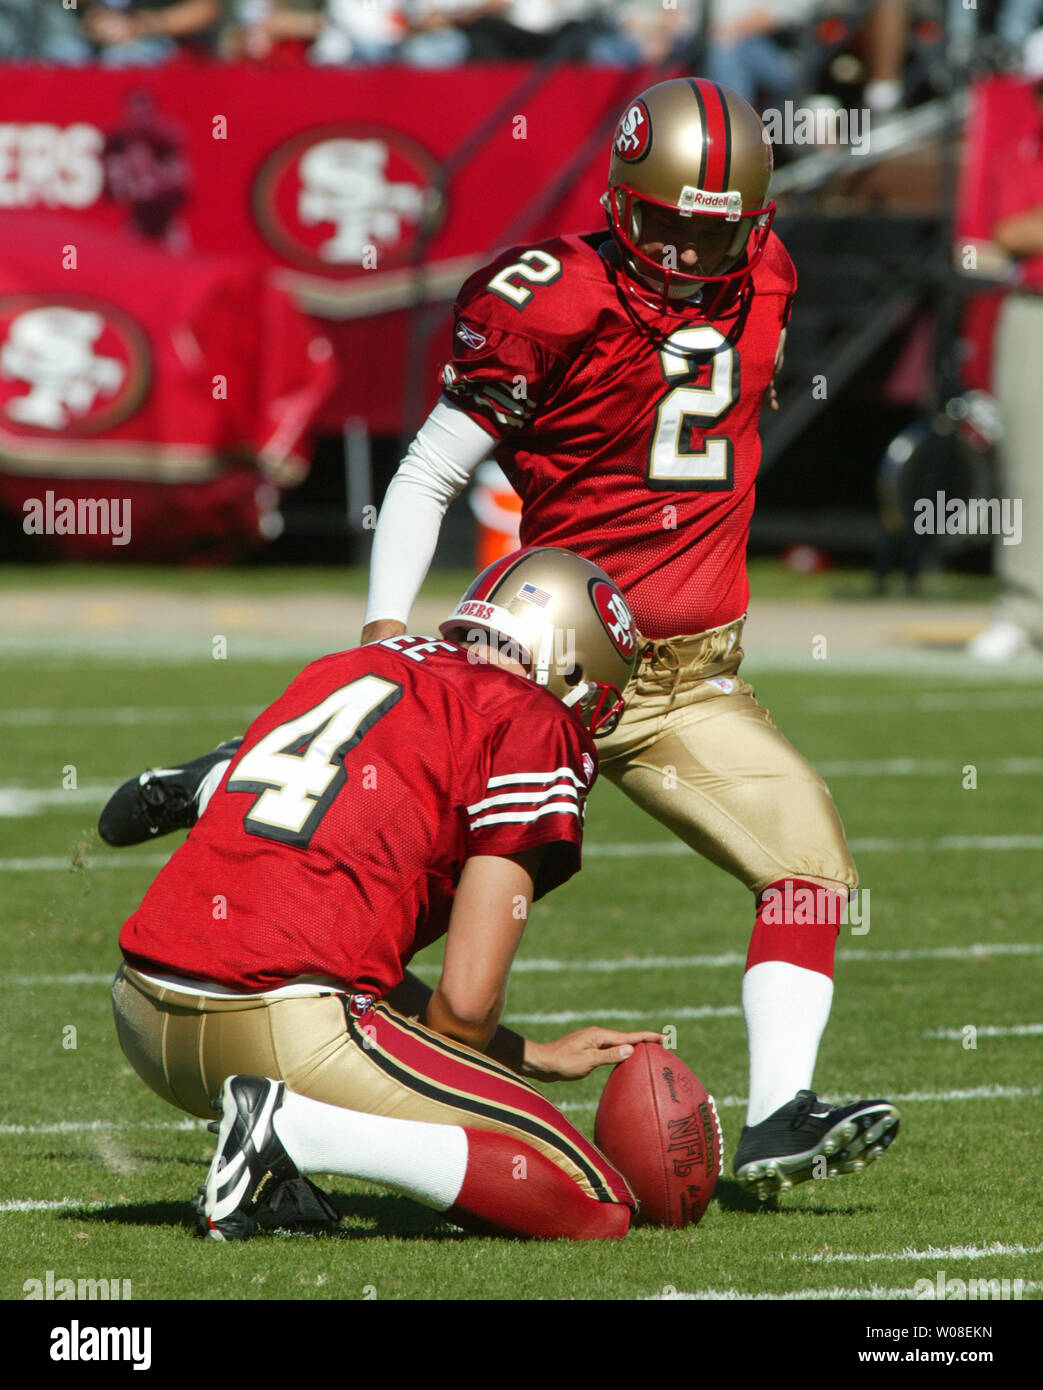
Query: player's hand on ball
577	1054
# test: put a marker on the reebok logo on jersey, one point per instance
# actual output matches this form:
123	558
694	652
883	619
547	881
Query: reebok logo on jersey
470	336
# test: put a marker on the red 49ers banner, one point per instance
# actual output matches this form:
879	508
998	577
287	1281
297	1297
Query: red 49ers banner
361	192
183	401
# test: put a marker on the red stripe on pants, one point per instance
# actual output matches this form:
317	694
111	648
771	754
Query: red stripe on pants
483	1080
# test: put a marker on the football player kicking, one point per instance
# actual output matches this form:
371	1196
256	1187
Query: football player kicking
618	380
392	794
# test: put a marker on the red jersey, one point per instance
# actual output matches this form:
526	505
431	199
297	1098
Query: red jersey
629	435
1016	185
332	849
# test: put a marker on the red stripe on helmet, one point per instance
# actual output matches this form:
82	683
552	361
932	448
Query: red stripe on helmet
717	134
487	581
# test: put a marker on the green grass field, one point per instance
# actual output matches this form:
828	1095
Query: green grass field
97	1174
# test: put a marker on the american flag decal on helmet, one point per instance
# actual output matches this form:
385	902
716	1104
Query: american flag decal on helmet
531	594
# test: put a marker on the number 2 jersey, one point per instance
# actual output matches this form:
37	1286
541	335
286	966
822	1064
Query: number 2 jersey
332	848
629	435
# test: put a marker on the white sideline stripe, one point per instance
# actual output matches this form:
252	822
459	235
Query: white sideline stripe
173	649
90	1126
670	848
905	1098
577	1015
538	966
927	700
62	1202
978	951
30	801
22	717
875	1291
572	1107
1018	1030
130	714
79	978
953	842
933	1252
45	862
622	850
934	767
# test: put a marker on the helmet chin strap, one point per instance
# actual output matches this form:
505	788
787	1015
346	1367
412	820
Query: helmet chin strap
577	694
544	656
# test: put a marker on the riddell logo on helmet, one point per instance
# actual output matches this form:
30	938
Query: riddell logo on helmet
634	133
700	200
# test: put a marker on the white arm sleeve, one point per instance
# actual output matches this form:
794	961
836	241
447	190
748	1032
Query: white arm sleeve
447	449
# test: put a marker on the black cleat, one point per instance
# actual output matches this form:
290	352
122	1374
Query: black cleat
249	1159
296	1204
160	800
808	1139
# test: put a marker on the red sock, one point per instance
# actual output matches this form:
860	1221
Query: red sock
797	922
511	1188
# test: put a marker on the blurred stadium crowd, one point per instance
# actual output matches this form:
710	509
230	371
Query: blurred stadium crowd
749	45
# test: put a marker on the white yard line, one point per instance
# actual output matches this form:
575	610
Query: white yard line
572	1107
646	849
978	951
51	1206
1017	1030
45	863
875	1291
961	843
669	849
596	1015
902	1097
20	801
537	966
932	1252
28	717
926	701
91	1126
929	767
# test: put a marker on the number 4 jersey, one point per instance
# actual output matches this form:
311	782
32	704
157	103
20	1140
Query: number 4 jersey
630	435
332	849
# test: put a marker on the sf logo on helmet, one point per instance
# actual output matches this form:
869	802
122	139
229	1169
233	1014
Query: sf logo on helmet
635	132
614	613
622	625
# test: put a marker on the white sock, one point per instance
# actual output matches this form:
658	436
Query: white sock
424	1161
786	1009
210	783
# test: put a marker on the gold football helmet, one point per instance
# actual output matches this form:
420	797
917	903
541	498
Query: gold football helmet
688	182
563	619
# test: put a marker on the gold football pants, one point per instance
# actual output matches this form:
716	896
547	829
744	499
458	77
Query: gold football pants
696	750
377	1061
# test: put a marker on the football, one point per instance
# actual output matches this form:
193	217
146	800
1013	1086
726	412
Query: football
658	1124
